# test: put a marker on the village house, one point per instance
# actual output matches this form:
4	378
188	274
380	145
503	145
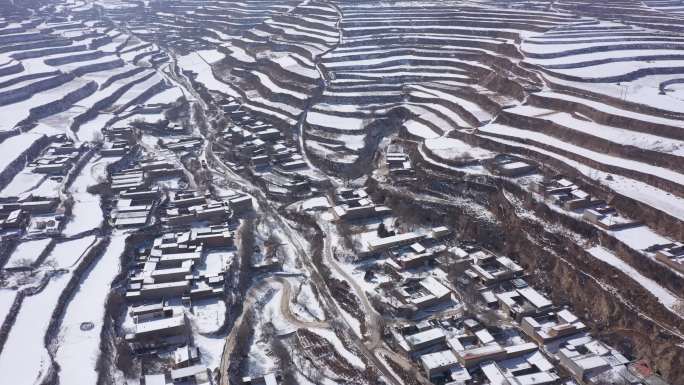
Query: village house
36	205
119	133
672	255
158	329
266	379
409	257
267	133
510	165
398	162
488	268
607	218
157	291
586	358
195	374
57	159
439	363
423	293
150	312
260	161
187	198
128	179
481	346
16	219
529	369
522	302
117	147
158	168
424	339
45	225
240	203
294	162
360	209
552	186
153	379
134	207
29	213
286	185
214	213
182	144
229	105
379	245
212	236
551	325
186	356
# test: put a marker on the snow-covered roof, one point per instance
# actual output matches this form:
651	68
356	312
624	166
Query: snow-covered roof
425	336
438	359
534	297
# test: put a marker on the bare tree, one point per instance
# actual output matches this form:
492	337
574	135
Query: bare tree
678	308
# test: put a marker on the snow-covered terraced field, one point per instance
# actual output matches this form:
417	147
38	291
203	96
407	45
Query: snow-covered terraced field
423	59
583	87
75	69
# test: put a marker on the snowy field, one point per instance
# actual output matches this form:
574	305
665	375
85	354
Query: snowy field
27	252
79	349
24	359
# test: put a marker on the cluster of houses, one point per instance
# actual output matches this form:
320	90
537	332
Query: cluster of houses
118	141
177	269
183	144
528	340
671	254
136	198
183	267
355	204
262	147
167	269
186	367
57	158
184	207
469	317
398	161
37	216
164	281
509	166
33	215
563	192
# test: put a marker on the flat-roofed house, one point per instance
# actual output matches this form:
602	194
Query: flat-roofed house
551	325
425	338
382	244
474	356
490	269
584	357
159	328
673	256
424	293
266	379
522	302
438	363
196	373
185	356
157	290
154	379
